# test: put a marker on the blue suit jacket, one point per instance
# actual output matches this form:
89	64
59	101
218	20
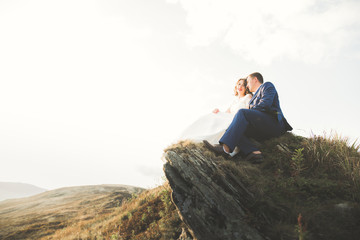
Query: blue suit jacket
266	99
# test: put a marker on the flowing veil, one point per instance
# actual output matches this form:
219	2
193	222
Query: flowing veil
212	126
208	127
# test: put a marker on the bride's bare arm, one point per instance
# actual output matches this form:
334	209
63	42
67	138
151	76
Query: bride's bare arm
216	110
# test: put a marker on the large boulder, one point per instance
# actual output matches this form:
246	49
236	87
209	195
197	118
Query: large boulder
211	200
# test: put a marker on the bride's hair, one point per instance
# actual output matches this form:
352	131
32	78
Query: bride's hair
247	91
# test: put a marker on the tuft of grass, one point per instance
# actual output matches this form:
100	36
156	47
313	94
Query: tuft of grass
335	157
300	228
297	162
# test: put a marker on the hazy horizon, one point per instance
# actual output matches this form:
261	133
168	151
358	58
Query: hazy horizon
93	91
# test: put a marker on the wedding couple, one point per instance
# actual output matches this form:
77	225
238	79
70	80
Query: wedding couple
259	118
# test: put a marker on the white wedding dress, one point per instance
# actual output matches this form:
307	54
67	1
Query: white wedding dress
212	126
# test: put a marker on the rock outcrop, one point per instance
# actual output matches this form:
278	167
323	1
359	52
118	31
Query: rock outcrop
211	200
305	189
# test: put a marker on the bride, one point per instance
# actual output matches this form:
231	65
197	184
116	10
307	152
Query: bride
212	126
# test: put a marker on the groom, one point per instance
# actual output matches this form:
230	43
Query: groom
263	120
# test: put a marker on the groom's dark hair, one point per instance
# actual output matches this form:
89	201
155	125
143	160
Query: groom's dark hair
258	76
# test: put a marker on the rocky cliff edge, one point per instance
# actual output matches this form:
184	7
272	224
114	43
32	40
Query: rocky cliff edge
307	188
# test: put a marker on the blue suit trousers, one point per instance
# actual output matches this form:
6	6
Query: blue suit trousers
249	123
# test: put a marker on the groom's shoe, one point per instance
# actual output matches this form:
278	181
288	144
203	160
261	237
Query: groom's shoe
217	149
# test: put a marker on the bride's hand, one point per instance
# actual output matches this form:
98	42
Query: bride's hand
216	110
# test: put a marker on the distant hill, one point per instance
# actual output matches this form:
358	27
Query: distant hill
10	190
43	214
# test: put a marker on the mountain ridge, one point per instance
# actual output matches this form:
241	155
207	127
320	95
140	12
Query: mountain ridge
12	190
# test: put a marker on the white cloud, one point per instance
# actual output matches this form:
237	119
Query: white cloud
309	31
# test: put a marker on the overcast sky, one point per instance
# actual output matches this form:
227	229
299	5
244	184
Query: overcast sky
91	92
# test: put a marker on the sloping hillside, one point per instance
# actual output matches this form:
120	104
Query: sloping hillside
41	215
148	216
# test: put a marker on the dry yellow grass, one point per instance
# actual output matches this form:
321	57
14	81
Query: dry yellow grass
92	212
42	215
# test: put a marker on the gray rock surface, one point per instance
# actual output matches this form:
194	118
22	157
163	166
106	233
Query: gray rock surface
210	200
